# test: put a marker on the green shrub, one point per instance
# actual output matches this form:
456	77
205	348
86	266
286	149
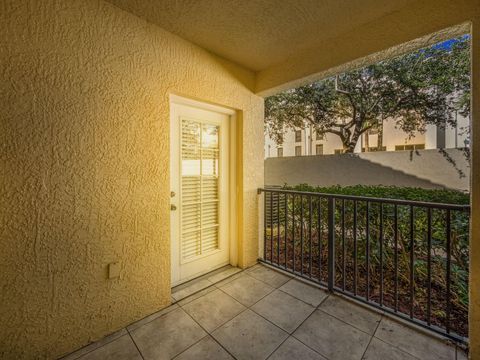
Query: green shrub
391	192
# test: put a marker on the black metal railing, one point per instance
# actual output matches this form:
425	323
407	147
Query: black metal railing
408	258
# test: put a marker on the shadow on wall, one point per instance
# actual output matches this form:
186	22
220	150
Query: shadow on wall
429	169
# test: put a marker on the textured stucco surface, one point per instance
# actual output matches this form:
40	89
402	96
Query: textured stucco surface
84	162
260	33
429	169
474	309
84	155
419	19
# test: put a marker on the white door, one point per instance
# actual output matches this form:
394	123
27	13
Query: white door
199	191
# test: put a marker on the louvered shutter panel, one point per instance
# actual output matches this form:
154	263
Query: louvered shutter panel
200	202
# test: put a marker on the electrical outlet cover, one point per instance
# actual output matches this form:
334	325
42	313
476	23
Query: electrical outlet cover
113	270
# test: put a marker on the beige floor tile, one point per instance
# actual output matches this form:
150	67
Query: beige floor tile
307	293
379	350
207	348
249	336
215	278
294	349
461	354
95	345
122	348
149	318
184	290
213	309
332	338
356	315
197	295
283	310
168	335
247	290
269	276
230	279
413	342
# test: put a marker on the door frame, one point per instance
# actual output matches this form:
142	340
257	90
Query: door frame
175	99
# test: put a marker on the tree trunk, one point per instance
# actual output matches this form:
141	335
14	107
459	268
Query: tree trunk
349	144
380	137
367	141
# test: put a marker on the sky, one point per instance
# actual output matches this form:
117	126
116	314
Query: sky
447	44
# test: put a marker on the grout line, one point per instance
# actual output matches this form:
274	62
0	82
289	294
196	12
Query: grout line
92	344
278	347
248	306
371	338
385	316
351	325
289	334
190	346
212	284
223	347
209	334
138	349
316	308
296	298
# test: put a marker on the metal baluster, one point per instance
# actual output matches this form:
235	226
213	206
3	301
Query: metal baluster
411	260
367	233
343	245
429	265
310	209
331	243
286	230
293	232
301	233
395	228
381	254
319	239
449	259
265	225
355	269
278	229
271	227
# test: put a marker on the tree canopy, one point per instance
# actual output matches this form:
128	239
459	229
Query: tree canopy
416	89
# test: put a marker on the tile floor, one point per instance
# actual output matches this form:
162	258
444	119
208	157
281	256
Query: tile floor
260	313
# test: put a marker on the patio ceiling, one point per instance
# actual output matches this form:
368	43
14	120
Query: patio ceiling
292	42
259	33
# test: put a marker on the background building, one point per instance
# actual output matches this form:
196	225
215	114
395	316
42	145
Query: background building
306	141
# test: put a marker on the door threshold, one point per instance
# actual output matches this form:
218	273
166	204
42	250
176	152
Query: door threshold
203	282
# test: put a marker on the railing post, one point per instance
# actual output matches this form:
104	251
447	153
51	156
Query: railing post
262	223
331	243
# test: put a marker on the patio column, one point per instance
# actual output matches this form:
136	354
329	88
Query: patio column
474	310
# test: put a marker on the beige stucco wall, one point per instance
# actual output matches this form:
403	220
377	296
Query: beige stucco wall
474	309
84	159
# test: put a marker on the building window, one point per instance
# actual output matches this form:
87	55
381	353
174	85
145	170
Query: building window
410	147
280	139
298	135
320	136
319	149
374	148
279	152
298	151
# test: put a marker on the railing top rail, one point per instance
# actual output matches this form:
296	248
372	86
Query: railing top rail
370	199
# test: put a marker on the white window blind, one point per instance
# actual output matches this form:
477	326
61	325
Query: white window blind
200	202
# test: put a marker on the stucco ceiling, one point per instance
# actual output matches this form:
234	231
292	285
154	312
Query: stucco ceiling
259	33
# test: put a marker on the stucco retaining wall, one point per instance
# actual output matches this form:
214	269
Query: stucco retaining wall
423	168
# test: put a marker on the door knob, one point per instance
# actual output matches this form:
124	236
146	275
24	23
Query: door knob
173	207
